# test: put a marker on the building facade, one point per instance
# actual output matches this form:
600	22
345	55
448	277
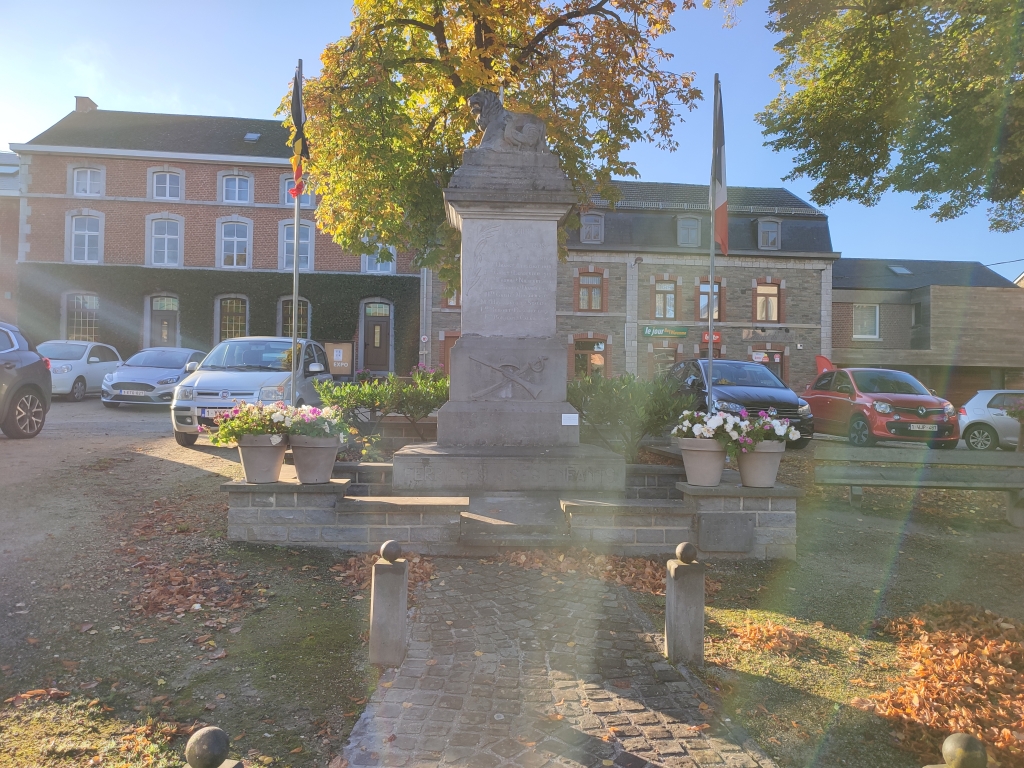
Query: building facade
634	294
951	324
9	205
161	230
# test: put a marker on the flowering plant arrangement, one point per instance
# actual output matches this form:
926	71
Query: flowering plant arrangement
251	419
729	430
316	422
766	427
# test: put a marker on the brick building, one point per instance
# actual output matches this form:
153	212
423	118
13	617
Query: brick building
9	203
147	229
633	295
952	324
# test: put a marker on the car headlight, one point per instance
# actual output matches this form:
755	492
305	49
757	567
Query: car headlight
184	393
804	409
949	410
881	407
169	380
273	394
62	369
728	407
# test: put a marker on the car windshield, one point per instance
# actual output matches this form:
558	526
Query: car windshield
244	355
729	373
158	358
60	351
888	383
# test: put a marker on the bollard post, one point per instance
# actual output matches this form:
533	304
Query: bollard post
684	607
389	606
961	750
208	748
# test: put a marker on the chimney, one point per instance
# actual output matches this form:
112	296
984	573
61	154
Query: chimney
84	104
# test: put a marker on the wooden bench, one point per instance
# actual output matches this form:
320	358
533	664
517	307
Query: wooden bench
922	468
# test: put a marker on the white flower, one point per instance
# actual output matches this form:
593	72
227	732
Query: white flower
780	429
287	421
794	434
734	434
277	417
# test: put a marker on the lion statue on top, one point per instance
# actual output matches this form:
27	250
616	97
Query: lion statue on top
506	131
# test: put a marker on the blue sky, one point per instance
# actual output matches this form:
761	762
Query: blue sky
212	58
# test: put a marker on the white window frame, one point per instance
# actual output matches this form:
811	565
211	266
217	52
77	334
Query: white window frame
878	321
392	266
778	234
287	180
282	245
152	173
679	231
223	176
73	170
69	234
280	316
220	241
592	228
151	220
216	313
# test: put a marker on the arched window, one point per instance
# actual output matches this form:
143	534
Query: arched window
166	243
589	355
769	234
591	289
710	298
88	182
285	318
235	244
81	319
592	228
288	246
232	317
85	247
688	231
236	189
167	186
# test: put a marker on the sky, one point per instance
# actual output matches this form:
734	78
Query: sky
210	58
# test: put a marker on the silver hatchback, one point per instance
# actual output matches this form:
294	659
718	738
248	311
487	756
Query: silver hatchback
984	422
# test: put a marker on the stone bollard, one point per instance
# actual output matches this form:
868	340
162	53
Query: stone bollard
684	607
208	748
961	750
389	606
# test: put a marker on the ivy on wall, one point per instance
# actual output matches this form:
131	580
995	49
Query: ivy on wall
122	291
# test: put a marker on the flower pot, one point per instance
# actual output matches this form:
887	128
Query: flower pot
703	459
262	457
759	467
314	457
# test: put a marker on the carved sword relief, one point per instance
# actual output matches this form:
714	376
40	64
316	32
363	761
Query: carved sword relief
512	374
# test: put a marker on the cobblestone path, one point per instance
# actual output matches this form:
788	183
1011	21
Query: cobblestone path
513	667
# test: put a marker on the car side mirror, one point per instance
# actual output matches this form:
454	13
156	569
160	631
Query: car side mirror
844	390
933	392
94	359
315	368
691	382
192	367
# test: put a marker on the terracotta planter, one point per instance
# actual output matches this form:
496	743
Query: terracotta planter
703	459
262	457
314	457
760	467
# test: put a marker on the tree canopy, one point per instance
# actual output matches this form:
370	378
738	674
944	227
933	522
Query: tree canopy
387	119
904	95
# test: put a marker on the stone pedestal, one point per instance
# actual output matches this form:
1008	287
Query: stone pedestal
684	612
389	609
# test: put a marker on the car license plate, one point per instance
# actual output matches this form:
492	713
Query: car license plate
211	413
133	392
924	427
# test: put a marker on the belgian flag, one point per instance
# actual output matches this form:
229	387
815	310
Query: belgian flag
300	150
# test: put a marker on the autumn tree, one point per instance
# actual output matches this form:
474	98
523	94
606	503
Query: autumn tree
387	119
904	95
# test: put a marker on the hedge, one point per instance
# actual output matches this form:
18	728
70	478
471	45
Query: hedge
122	291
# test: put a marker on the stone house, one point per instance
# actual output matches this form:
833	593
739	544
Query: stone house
633	294
952	324
148	230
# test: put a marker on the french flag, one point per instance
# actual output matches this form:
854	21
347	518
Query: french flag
719	201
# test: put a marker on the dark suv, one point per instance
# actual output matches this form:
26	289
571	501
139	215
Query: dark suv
744	385
24	384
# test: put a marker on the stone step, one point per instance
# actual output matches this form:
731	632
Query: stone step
514	520
482	543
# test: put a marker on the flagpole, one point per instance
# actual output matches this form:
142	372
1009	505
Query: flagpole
711	260
295	282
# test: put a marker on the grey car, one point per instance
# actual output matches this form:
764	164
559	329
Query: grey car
984	422
149	376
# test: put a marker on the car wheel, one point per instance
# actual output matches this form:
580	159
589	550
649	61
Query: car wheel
185	439
800	444
26	416
109	404
860	432
981	438
77	393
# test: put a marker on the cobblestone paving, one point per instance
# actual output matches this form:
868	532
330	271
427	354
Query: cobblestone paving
510	667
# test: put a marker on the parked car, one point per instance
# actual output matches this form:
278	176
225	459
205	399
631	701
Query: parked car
742	385
78	367
149	376
871	404
984	422
24	384
245	369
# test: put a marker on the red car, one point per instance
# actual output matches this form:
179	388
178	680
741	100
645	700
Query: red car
871	404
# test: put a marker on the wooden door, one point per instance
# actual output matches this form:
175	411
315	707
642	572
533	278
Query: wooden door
377	337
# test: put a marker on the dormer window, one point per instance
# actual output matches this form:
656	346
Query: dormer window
769	234
688	231
236	189
592	228
88	182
